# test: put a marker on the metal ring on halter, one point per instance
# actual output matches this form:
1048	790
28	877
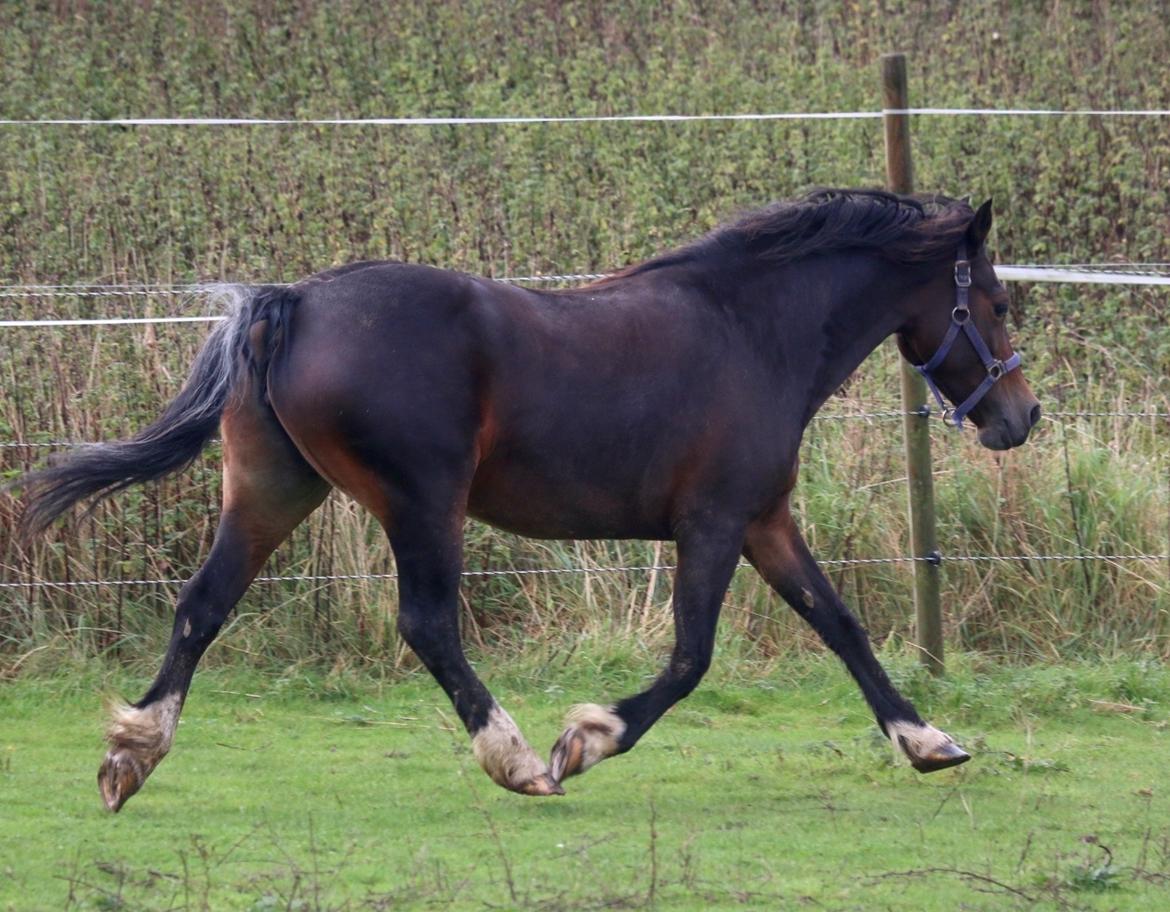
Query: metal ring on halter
995	370
961	315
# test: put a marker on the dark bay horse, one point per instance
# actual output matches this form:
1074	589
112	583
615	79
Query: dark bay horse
665	402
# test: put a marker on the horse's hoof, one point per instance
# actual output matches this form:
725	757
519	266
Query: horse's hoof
927	748
139	737
120	776
567	754
506	757
541	786
591	736
943	757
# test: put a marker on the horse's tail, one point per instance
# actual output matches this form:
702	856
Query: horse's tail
180	433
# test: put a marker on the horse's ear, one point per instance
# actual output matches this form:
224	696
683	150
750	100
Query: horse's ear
980	226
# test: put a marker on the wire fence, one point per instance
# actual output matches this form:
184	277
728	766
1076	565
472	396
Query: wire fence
925	411
1109	273
1086	273
537	120
1042	271
937	560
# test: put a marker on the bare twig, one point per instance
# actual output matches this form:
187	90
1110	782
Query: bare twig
962	875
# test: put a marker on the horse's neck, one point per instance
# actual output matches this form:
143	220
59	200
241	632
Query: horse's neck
828	315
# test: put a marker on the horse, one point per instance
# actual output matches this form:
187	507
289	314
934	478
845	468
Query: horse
666	401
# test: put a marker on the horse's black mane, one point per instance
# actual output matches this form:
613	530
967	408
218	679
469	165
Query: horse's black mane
904	229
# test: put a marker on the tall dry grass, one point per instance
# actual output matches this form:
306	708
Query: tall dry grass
1084	487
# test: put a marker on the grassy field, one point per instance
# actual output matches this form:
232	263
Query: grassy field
767	789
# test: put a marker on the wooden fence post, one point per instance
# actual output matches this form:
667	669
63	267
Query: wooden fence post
916	423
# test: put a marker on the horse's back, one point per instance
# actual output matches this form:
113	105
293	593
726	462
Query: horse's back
590	414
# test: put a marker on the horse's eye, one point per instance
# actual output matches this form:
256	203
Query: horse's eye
1001	310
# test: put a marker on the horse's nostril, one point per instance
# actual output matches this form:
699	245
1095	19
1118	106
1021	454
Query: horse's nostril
1034	415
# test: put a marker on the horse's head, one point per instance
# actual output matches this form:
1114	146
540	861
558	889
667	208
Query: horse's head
957	338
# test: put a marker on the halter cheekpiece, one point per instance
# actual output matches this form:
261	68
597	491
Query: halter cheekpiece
961	320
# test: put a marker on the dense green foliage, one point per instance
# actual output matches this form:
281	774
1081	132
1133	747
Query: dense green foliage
179	204
275	202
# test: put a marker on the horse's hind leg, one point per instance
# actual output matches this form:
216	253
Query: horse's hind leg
268	490
776	548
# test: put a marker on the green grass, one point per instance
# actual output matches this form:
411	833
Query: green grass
768	788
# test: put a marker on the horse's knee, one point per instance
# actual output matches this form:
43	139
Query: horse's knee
422	631
410	628
206	599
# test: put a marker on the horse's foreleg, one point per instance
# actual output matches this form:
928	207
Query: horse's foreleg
428	556
776	548
706	562
268	490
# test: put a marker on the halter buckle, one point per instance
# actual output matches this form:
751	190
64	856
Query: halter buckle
995	369
963	273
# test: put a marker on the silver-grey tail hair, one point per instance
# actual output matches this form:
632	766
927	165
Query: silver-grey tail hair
180	433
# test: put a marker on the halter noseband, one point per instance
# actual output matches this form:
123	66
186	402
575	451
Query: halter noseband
961	319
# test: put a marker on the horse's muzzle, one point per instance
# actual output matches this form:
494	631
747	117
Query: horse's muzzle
1010	430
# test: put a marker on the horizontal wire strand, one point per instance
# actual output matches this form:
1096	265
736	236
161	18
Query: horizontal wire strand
1147	277
858	416
567	571
95	289
535	120
923	412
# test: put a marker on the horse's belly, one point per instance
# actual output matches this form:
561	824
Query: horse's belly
537	505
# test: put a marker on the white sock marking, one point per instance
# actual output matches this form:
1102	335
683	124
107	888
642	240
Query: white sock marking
147	732
503	753
600	728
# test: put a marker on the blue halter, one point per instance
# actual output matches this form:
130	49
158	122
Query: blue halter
961	319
